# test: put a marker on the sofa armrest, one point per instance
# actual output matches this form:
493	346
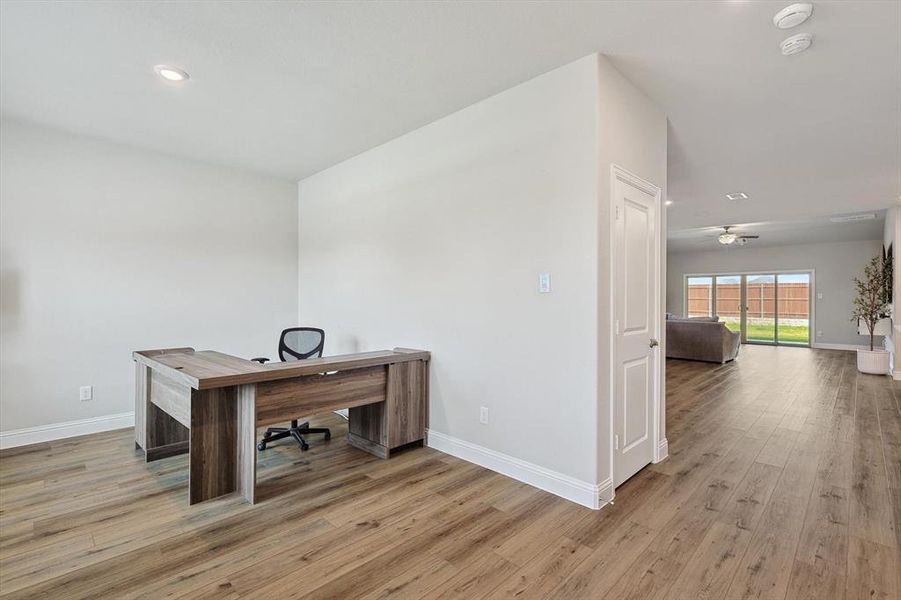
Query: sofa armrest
731	344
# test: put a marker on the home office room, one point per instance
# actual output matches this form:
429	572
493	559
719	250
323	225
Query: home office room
373	300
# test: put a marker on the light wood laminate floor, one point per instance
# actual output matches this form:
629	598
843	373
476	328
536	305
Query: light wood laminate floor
783	481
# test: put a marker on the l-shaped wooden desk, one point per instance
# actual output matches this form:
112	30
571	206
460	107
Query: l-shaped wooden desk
210	405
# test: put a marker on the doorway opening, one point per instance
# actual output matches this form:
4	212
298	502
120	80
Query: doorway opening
772	308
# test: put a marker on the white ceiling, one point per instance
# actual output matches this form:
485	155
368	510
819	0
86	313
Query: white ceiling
290	88
779	233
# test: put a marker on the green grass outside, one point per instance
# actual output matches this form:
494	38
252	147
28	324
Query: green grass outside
789	334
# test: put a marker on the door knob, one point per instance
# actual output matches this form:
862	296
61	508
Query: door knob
654	343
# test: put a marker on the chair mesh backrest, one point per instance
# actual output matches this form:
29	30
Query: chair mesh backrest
299	343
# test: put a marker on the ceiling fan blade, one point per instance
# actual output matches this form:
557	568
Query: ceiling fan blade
749	237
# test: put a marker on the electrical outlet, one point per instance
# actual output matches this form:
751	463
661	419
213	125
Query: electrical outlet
819	334
85	393
483	415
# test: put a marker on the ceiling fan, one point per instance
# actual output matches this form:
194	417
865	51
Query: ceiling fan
727	238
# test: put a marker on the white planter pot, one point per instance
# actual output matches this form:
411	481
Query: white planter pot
872	361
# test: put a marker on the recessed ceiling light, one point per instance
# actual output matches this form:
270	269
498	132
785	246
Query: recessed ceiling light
792	16
669	202
737	196
796	43
171	73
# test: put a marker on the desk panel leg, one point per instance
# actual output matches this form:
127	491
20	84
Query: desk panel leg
367	429
247	441
158	434
165	436
214	443
142	399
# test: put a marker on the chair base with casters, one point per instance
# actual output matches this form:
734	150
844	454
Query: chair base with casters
296	431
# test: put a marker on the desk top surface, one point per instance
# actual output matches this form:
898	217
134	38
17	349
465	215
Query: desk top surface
208	369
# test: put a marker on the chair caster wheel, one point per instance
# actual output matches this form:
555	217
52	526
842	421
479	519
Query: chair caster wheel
261	446
305	447
328	436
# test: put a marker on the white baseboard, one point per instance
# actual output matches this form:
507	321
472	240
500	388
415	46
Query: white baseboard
575	490
605	492
58	431
849	347
662	450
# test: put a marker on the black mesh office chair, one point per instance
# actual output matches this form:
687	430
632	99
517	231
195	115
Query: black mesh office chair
297	343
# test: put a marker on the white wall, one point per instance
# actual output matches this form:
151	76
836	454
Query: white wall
106	249
436	239
892	237
834	263
633	135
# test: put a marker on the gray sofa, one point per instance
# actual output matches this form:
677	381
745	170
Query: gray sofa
704	339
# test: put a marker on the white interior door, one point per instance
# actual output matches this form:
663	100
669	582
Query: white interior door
636	323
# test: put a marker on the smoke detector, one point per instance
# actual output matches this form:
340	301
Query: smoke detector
796	43
792	16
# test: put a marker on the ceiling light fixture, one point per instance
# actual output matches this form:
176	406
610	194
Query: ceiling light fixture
171	73
792	16
737	196
796	43
669	202
727	238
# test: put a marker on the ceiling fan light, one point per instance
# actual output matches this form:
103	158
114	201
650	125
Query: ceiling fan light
727	238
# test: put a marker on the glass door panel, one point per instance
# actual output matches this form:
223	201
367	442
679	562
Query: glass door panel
699	297
793	310
728	300
760	319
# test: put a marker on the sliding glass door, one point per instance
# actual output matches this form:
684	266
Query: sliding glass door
728	300
793	292
766	308
699	296
760	322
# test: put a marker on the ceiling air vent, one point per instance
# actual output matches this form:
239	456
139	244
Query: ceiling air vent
853	218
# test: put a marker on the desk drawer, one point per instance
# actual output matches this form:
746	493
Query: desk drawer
286	399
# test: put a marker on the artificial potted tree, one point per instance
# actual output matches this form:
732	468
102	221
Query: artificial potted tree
871	305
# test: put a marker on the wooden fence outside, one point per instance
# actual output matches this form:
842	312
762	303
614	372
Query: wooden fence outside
794	300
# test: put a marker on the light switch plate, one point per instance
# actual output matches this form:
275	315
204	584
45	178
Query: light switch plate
85	393
544	283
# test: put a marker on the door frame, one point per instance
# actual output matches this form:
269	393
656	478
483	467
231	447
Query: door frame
659	442
811	299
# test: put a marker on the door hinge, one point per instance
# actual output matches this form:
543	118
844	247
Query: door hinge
616	326
617	212
616	442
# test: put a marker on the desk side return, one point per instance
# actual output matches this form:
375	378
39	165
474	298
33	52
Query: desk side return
210	405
